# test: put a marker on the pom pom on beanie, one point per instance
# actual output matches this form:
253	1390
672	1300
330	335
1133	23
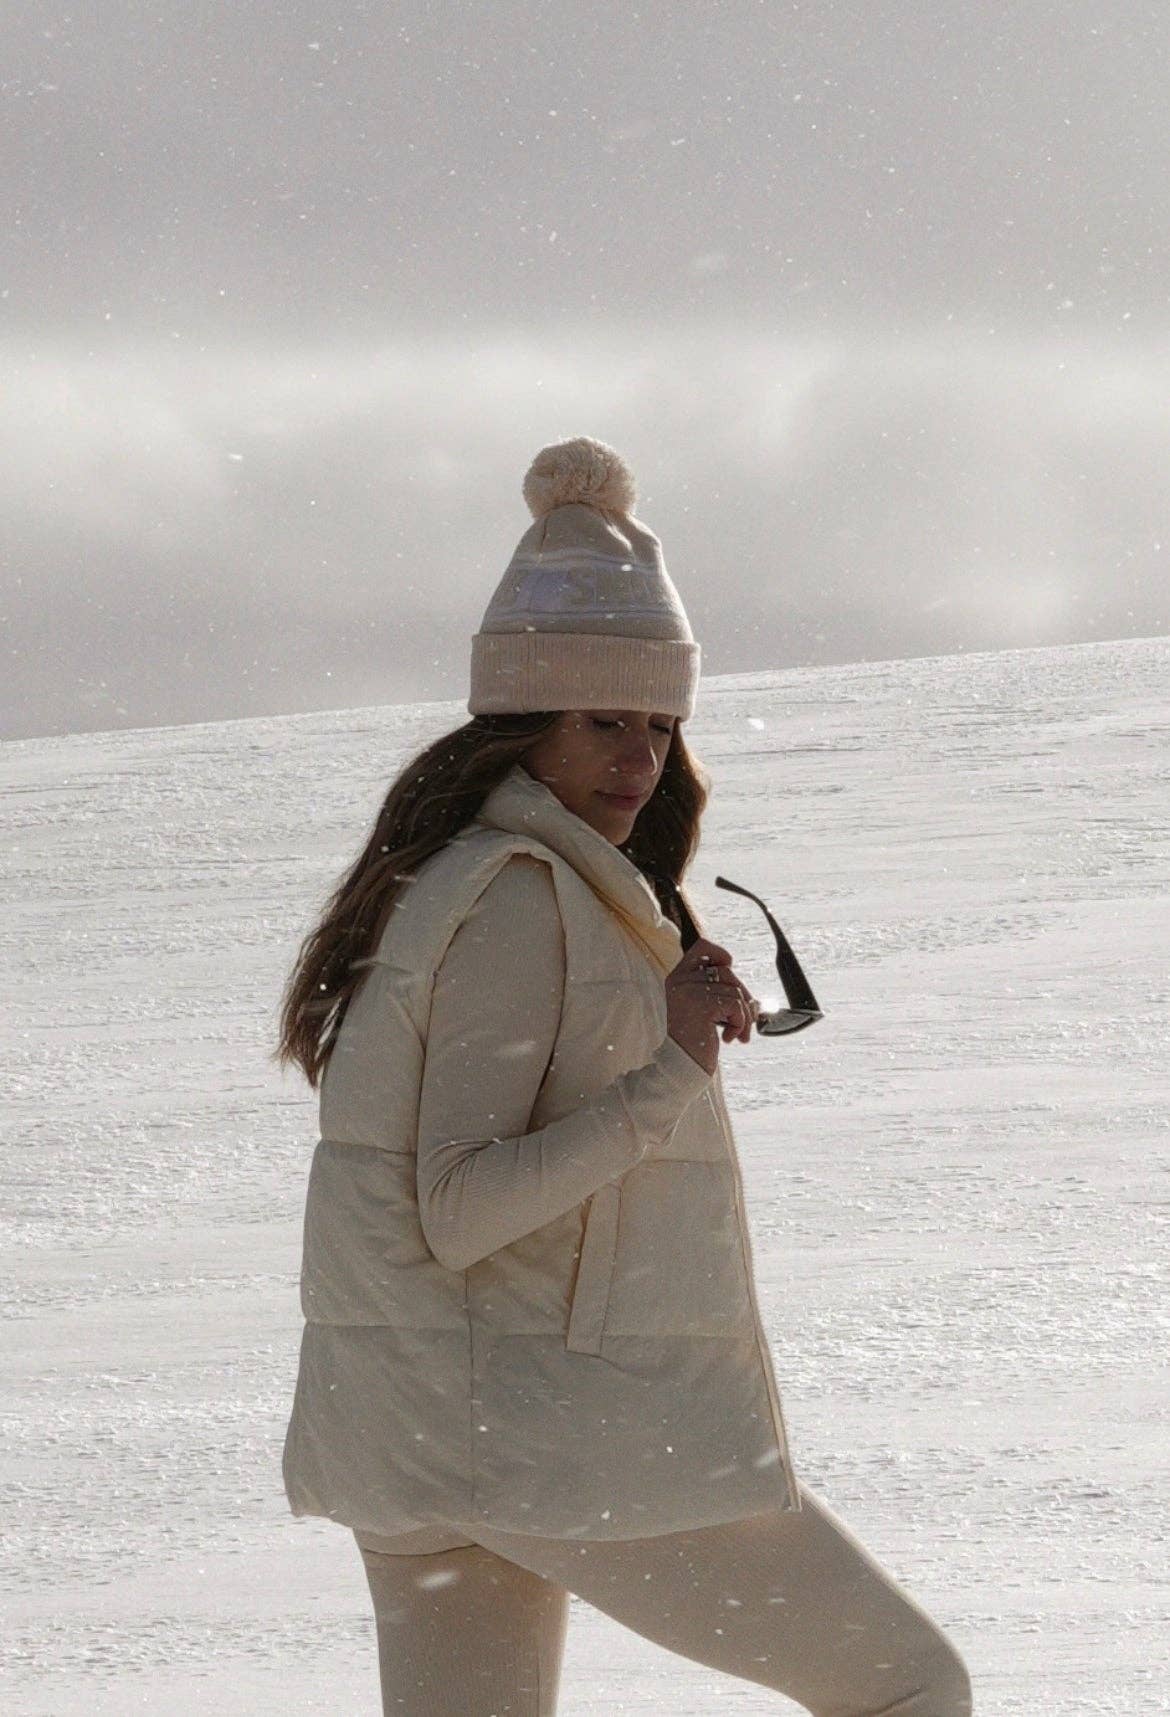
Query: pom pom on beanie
582	471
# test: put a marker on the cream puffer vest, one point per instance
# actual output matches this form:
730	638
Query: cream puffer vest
608	1377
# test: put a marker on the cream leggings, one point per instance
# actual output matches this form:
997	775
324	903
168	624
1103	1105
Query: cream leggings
791	1600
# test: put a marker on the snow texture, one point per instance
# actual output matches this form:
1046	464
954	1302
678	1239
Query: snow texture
957	1183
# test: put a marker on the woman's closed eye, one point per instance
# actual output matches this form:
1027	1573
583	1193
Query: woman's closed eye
599	722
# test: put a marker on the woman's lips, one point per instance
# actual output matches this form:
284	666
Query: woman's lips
630	801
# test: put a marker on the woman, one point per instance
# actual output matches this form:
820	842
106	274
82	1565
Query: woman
533	1363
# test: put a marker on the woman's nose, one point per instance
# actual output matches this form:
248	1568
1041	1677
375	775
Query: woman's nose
637	754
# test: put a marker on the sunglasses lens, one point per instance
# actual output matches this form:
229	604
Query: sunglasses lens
785	1021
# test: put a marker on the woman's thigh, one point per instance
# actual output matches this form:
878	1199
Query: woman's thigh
463	1632
791	1600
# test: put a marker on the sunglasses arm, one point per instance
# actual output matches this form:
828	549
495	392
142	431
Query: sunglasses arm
797	988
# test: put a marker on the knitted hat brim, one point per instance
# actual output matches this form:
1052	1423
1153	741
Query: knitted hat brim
515	672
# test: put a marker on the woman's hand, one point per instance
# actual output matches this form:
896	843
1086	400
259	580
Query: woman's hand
697	1003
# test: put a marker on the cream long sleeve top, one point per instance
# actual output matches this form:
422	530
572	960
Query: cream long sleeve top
483	1180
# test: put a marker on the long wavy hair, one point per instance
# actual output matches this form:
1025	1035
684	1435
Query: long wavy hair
428	803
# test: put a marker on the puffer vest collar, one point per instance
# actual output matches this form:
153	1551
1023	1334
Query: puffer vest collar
522	805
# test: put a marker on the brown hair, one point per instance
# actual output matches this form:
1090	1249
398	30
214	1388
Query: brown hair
428	803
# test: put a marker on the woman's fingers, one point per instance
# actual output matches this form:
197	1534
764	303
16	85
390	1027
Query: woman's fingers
739	1007
728	987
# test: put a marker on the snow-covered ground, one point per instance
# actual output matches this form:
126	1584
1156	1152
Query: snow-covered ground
957	1182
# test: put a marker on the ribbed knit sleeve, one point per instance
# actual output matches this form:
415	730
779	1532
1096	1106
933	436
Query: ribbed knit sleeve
483	1180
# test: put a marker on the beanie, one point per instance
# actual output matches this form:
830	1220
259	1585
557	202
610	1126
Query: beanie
586	615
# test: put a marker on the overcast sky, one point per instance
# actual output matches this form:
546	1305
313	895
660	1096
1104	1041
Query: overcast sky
873	297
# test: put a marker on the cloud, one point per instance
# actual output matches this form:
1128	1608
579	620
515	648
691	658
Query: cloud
227	531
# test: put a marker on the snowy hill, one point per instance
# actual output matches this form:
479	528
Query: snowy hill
957	1183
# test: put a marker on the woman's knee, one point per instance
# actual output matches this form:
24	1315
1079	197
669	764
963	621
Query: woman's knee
901	1662
951	1691
941	1687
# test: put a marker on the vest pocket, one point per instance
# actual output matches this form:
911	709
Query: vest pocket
594	1271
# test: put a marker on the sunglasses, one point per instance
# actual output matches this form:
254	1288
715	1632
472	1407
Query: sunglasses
802	1009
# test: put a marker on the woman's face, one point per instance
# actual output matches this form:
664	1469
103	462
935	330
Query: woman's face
589	755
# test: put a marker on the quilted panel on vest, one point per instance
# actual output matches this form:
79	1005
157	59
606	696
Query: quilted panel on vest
365	1258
